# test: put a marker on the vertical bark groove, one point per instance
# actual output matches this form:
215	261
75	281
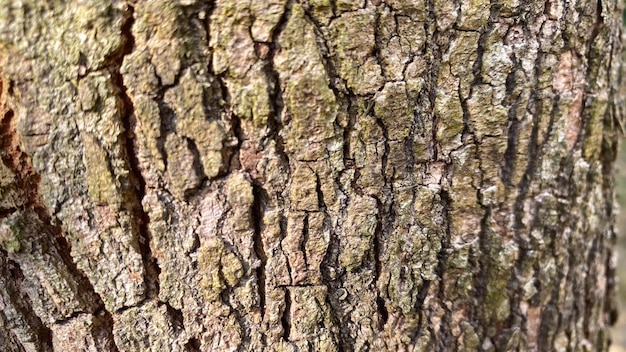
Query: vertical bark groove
141	219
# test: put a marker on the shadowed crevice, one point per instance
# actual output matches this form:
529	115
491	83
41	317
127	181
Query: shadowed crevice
27	327
260	198
285	320
140	217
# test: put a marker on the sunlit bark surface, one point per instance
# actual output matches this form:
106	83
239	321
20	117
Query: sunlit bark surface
307	175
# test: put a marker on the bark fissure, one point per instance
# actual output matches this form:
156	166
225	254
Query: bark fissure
442	257
141	218
32	329
285	320
276	91
257	220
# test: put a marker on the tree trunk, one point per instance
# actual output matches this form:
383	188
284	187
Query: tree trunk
310	175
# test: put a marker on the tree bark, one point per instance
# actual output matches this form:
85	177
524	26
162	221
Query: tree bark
308	175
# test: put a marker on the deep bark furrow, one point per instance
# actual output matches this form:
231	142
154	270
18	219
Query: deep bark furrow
257	219
141	219
18	317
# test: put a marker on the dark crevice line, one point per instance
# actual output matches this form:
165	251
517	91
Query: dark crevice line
261	196
433	62
377	252
523	186
593	55
197	167
176	319
305	239
6	212
513	129
330	269
551	317
260	199
192	345
335	326
234	162
167	125
608	155
20	301
534	105
275	124
481	280
385	218
285	320
419	307
324	52
442	257
276	91
283	233
348	158
107	340
383	313
609	152
379	47
140	217
378	241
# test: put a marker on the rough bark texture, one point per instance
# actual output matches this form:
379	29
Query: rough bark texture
281	175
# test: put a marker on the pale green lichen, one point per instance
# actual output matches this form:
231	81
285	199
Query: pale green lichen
10	235
210	136
503	255
321	10
496	63
180	169
148	327
218	268
233	47
470	337
303	190
311	106
462	52
100	182
486	116
157	26
474	14
392	107
239	191
353	40
251	98
240	197
448	109
594	136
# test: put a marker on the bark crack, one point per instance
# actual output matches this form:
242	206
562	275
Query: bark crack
257	219
41	335
140	217
285	320
442	257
